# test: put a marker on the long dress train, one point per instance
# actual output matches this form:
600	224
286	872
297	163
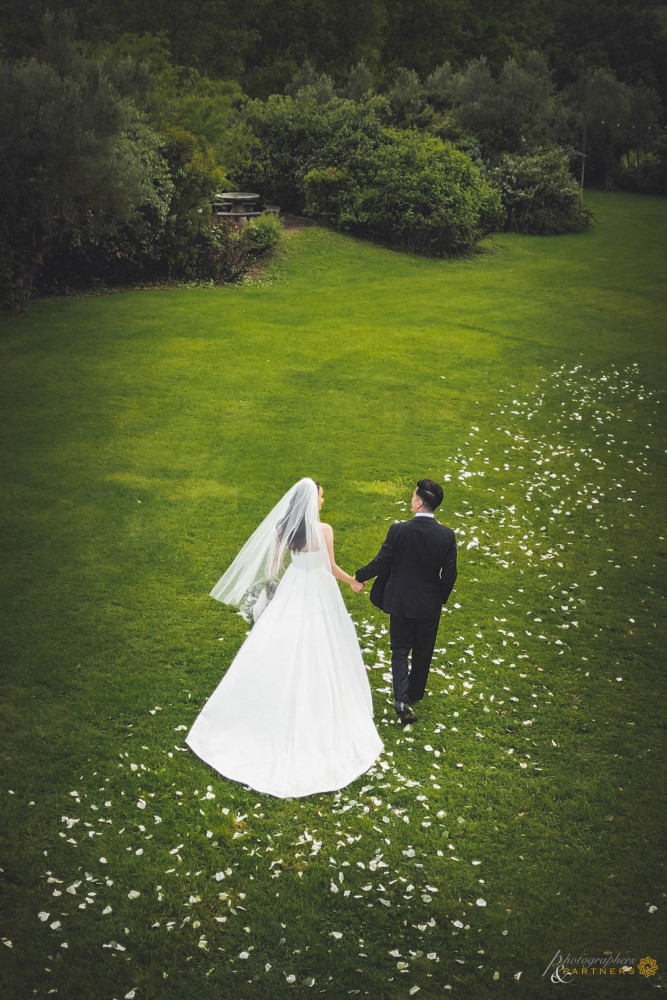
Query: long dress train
293	715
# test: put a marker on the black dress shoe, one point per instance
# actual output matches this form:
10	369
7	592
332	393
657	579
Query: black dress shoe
407	716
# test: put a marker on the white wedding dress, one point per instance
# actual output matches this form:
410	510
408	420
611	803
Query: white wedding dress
293	714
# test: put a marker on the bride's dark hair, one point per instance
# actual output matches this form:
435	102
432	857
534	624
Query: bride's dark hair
296	541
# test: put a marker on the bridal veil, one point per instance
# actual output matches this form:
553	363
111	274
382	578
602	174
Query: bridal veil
293	526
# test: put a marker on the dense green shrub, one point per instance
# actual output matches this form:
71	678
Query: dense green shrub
427	196
147	251
239	246
91	191
261	235
193	170
78	162
648	176
415	192
123	253
333	195
342	164
539	194
296	135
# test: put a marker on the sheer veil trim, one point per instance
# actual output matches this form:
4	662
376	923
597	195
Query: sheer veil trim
292	526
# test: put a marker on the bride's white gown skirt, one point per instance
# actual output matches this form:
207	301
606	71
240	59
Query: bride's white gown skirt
293	714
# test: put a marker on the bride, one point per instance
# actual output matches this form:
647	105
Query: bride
293	714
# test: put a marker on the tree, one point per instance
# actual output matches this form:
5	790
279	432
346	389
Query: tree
526	102
646	119
359	82
512	113
438	87
420	34
182	97
311	85
601	107
75	153
260	43
621	36
474	98
406	96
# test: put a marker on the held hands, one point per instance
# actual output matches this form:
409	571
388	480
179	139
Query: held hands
356	586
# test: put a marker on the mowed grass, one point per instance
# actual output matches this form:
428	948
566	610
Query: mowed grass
145	434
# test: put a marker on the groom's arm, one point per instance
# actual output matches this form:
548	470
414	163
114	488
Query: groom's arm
383	560
448	570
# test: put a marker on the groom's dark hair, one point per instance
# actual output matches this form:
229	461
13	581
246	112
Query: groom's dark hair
430	493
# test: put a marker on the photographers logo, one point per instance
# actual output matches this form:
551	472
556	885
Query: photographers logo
567	969
647	967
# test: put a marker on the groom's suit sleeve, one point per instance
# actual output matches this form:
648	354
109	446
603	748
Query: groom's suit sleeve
383	560
448	570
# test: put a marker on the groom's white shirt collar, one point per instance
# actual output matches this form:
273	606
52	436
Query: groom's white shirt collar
424	514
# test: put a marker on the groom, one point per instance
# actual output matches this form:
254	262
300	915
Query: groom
415	571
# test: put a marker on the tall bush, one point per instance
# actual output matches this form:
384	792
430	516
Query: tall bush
237	248
77	160
91	191
539	194
341	163
416	193
295	135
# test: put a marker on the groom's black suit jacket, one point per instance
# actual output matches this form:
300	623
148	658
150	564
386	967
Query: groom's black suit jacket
415	569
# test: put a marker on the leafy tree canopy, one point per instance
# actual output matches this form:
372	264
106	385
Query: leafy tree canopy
262	43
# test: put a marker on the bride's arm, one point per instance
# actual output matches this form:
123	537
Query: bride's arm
275	561
339	573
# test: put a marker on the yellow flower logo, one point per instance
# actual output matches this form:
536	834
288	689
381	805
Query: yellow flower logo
647	967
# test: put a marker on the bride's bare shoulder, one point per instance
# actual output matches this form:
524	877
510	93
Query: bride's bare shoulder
326	529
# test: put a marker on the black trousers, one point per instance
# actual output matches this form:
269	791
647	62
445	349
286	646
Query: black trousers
416	636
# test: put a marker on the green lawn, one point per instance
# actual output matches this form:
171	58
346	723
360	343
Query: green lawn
145	434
